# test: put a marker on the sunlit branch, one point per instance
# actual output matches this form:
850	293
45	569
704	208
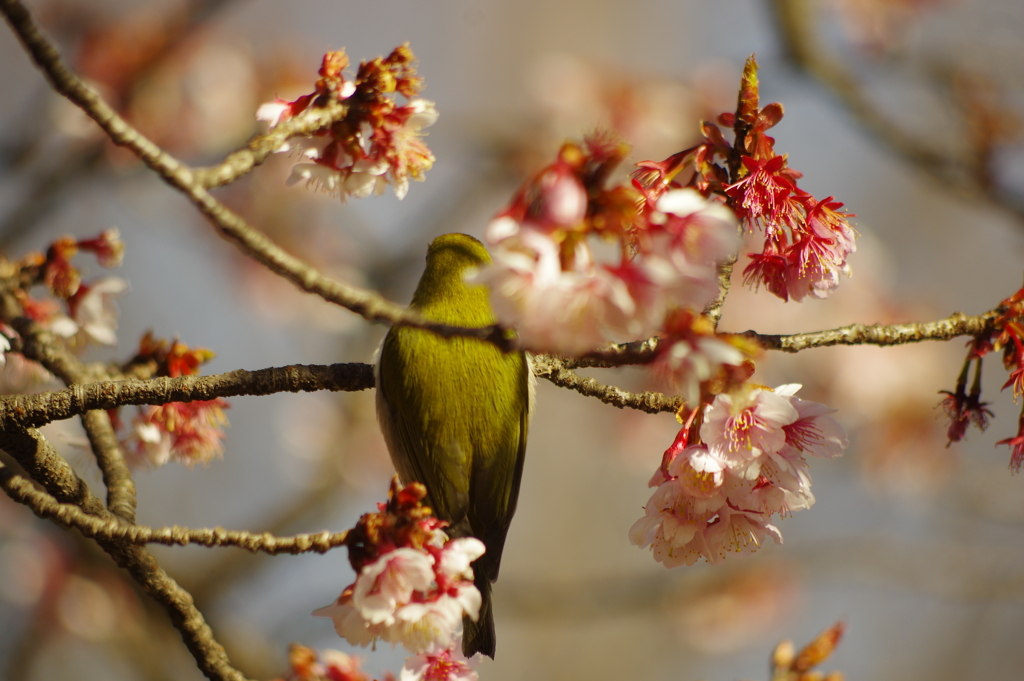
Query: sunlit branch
553	369
261	147
45	348
48	468
111	529
957	324
36	410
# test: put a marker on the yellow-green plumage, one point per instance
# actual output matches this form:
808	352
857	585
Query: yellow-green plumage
455	414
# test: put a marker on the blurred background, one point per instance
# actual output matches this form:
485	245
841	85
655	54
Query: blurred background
906	110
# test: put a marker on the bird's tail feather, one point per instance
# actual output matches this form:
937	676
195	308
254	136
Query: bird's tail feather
479	636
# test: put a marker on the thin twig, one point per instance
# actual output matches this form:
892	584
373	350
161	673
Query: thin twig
957	324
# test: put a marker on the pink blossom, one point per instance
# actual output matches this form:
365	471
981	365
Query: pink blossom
327	665
6	334
736	531
571	311
337	666
814	432
1016	445
398	143
770	268
764	194
457	556
688	362
719	497
389	581
377	142
94	310
274	112
740	428
349	622
679	252
557	199
818	254
443	665
188	432
435	622
413	596
677	514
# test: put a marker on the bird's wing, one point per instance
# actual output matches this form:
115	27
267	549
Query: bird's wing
496	479
405	422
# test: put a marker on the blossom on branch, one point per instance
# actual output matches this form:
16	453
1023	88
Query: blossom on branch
690	354
188	432
94	310
445	665
719	494
806	241
378	142
557	286
1005	334
413	584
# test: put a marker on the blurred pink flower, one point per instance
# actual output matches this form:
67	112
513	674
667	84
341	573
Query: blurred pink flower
444	665
188	432
94	310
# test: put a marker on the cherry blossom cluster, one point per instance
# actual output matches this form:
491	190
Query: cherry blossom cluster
413	586
81	312
720	485
806	240
965	408
653	251
186	432
378	142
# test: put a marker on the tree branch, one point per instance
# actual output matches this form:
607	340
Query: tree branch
45	348
42	462
41	408
554	370
261	147
109	528
957	324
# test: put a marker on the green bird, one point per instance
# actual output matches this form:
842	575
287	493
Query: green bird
455	412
